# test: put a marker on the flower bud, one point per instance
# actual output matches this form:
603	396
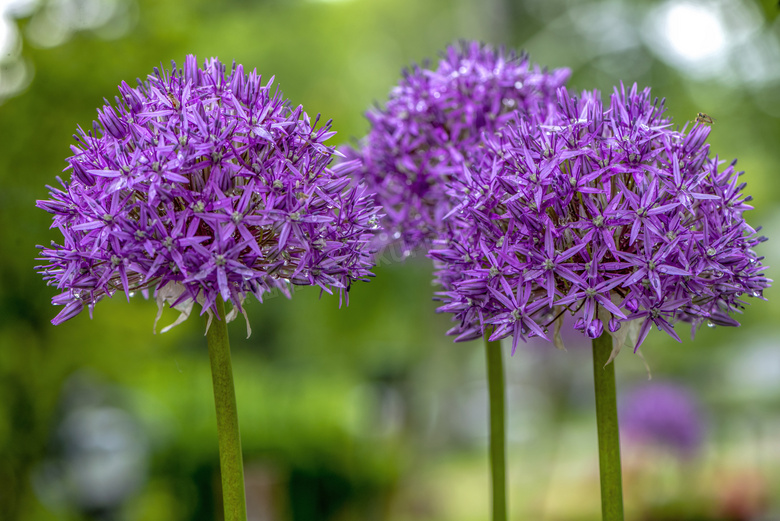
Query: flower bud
614	324
595	328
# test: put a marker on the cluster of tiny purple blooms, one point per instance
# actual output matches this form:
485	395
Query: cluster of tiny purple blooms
432	124
201	183
560	204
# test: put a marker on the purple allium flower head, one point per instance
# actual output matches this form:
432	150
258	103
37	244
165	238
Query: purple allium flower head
201	183
663	414
605	212
432	124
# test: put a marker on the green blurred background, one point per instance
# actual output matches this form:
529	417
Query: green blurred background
368	412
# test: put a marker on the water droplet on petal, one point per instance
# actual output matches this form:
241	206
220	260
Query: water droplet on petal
710	324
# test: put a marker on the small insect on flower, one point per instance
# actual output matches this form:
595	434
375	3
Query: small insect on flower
701	117
173	100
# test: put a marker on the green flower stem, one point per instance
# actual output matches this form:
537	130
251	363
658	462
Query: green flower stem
231	464
496	392
607	423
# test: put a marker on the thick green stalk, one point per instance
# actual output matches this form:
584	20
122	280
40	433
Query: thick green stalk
609	436
496	392
231	464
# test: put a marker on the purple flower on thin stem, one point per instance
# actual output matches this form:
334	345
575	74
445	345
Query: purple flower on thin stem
201	183
607	213
431	127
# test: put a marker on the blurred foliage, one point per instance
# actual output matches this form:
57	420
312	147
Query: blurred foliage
369	411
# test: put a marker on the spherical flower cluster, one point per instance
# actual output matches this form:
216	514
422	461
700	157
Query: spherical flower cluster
432	125
201	183
608	214
663	414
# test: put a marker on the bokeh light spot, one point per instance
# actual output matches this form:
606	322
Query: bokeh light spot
693	31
